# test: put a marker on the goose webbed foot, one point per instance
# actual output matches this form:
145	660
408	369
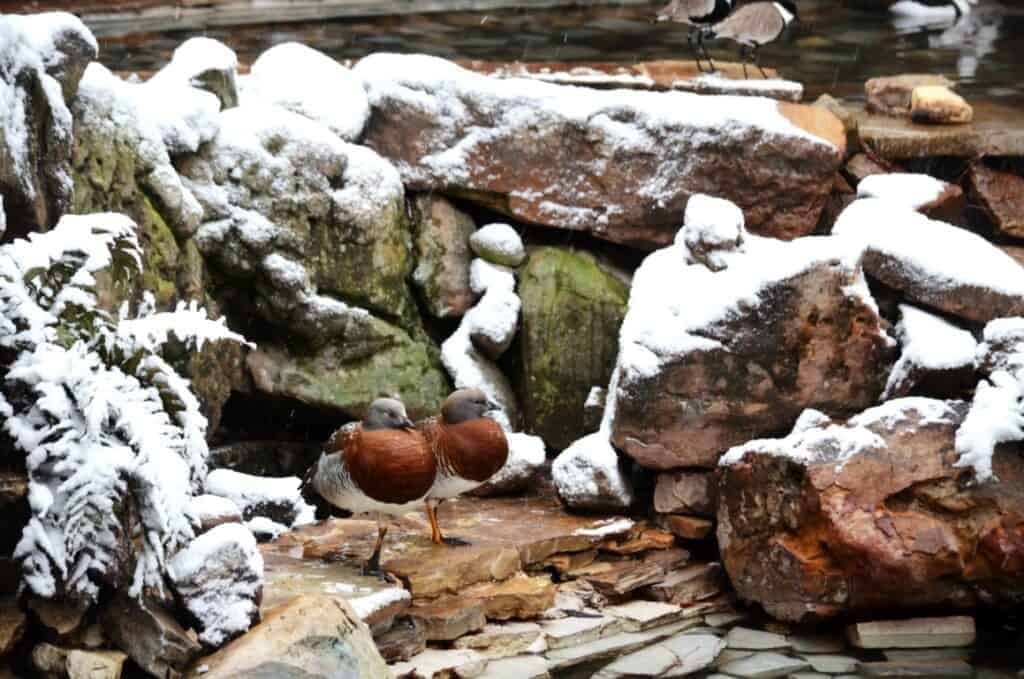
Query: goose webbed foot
377	572
455	542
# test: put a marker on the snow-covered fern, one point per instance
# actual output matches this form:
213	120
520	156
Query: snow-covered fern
113	436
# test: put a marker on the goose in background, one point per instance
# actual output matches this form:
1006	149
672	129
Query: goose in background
468	449
696	14
381	465
754	25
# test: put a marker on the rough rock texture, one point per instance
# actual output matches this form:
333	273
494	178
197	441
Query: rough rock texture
442	256
712	359
573	306
892	95
686	492
150	636
309	235
936	104
56	661
12	624
42	59
620	165
1001	196
961	273
871	514
218	578
310	637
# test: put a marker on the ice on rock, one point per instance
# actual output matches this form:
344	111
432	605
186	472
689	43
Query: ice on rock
219	578
498	244
905	188
311	84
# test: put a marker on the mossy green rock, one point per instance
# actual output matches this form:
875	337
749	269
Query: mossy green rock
573	306
373	359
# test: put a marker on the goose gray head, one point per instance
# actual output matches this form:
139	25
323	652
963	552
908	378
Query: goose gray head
465	405
386	413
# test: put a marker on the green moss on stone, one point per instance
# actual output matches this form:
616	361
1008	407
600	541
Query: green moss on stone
572	309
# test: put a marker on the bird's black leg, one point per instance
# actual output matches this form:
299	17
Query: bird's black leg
372	566
704	50
743	59
435	527
757	62
691	37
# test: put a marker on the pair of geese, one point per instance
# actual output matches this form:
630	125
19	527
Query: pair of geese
758	23
386	464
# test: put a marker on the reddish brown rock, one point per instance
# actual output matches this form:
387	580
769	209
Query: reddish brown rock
443	256
520	597
449	619
686	492
803	341
871	514
1001	196
620	165
862	165
892	95
693	583
688	527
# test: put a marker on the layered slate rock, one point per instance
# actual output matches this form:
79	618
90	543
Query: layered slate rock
311	636
712	359
620	165
874	513
42	59
934	263
573	306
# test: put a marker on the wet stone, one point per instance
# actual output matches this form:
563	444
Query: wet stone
450	620
449	571
405	639
953	631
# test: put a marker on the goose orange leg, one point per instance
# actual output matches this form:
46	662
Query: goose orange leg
435	527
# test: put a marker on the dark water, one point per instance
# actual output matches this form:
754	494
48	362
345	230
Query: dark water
834	48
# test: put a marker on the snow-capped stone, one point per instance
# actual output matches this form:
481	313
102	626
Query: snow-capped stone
219	579
42	58
933	263
618	164
277	499
936	359
498	244
310	83
711	226
917	191
793	325
588	475
213	510
206	64
886	488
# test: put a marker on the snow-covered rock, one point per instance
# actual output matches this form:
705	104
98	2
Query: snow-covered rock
310	83
933	263
277	499
712	228
936	357
619	164
42	58
219	579
213	510
206	64
789	325
933	197
498	244
801	518
588	475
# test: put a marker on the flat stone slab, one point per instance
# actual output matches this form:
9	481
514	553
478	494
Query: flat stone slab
765	665
927	653
440	663
755	640
577	630
932	669
832	664
997	130
640	615
676	656
613	645
955	631
500	641
517	667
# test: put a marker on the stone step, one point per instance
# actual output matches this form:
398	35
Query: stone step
955	631
612	645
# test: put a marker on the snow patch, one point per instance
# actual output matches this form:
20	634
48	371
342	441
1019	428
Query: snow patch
613	527
365	606
908	189
279	498
499	244
929	343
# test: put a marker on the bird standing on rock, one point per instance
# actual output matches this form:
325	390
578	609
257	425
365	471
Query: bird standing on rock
696	14
382	464
468	448
754	25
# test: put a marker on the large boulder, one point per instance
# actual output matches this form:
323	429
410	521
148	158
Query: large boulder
573	306
934	263
618	164
874	513
42	58
710	359
310	637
